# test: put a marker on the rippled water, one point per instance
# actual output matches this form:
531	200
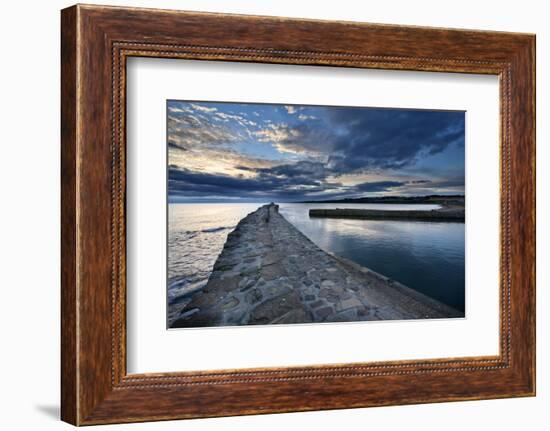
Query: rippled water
426	256
196	235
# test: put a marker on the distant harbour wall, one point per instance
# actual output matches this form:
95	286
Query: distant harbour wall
445	214
270	273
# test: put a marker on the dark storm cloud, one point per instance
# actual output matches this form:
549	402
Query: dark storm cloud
359	139
293	174
299	171
419	182
445	185
378	186
390	138
184	181
448	183
277	182
294	181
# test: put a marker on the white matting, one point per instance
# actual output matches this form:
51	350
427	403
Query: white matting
152	348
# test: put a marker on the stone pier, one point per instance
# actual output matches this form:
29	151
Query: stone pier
270	273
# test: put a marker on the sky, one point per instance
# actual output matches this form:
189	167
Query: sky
247	152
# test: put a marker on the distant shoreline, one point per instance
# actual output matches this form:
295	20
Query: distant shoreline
445	200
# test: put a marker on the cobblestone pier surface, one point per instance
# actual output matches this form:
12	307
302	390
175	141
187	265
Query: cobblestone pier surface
270	273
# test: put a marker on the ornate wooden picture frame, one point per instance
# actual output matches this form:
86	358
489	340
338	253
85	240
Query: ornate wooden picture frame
96	41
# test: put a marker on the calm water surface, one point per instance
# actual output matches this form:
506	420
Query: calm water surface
426	256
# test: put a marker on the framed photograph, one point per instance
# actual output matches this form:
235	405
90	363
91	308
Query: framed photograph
264	215
234	259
